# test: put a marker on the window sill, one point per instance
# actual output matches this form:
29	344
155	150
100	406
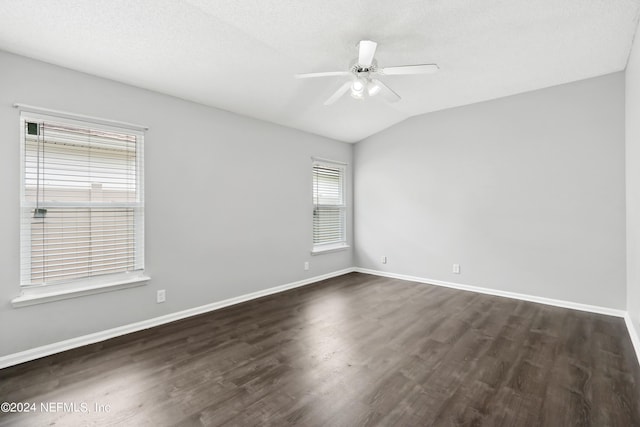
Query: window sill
51	293
329	248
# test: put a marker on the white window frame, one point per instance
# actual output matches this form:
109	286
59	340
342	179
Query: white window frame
320	248
36	294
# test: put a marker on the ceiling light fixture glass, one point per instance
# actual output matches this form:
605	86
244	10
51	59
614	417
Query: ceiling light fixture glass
357	88
373	88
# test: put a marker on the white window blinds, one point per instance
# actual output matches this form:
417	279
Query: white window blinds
82	200
328	204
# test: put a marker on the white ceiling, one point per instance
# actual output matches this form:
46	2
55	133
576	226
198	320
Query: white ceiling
240	55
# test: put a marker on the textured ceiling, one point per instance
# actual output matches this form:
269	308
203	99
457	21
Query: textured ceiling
240	55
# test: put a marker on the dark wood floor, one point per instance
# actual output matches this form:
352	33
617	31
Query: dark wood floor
349	351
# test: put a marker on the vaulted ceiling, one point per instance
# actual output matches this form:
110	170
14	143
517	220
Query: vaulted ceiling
241	55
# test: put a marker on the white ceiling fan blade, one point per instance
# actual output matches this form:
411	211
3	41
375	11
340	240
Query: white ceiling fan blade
409	69
325	74
337	94
386	92
366	50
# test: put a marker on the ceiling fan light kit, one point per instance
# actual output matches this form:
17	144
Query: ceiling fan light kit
373	88
357	88
361	73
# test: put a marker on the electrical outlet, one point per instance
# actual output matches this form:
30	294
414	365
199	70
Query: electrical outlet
161	296
306	265
456	268
383	259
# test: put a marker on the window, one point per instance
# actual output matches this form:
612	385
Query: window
82	203
329	208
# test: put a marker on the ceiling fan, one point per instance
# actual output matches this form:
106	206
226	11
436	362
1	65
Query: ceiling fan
363	72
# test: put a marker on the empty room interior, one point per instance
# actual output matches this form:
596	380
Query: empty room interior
320	213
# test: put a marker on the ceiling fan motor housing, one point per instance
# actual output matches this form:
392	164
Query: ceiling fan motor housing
358	69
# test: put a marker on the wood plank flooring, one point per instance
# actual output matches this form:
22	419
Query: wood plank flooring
356	350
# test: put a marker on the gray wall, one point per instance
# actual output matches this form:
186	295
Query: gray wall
632	125
526	193
228	203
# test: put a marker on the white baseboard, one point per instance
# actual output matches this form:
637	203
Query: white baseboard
46	350
633	333
548	301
